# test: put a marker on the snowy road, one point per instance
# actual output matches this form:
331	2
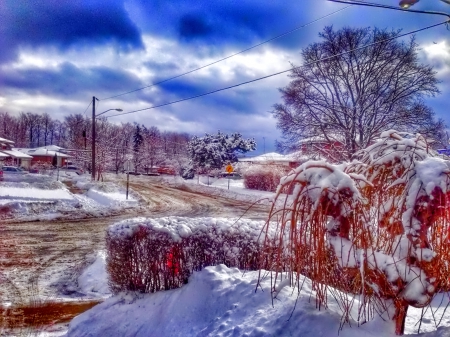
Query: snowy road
50	251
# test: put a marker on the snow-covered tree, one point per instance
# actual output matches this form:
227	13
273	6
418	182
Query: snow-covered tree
215	151
138	140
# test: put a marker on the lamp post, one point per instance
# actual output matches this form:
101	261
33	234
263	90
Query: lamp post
94	116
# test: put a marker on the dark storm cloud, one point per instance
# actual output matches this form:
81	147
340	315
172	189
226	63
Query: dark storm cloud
65	24
216	23
67	80
192	26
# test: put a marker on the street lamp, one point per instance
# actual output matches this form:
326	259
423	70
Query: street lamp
404	6
408	3
94	116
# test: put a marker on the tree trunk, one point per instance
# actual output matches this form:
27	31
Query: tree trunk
401	310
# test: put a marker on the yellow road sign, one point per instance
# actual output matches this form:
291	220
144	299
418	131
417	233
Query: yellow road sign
229	168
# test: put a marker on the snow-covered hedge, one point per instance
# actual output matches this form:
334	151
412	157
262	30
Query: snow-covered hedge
264	177
148	255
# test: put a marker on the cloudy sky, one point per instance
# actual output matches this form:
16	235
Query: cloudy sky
55	55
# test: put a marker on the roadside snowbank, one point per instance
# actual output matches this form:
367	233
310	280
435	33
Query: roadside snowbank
110	199
93	281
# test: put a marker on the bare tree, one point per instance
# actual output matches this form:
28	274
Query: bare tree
152	144
123	146
357	92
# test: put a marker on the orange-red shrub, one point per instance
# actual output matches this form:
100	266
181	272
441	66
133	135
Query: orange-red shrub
378	226
264	177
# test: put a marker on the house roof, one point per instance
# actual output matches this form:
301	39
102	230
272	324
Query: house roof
16	154
6	141
3	155
272	156
42	151
322	139
53	148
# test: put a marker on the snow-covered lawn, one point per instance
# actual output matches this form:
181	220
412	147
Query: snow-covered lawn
222	301
31	194
45	198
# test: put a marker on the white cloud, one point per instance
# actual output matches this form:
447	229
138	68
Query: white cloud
438	54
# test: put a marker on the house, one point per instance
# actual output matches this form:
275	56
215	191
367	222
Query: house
273	158
46	154
11	156
319	147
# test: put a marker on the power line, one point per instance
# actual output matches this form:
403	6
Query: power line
281	72
229	56
90	102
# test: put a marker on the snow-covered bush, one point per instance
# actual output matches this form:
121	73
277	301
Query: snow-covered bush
216	151
377	227
148	255
264	177
188	172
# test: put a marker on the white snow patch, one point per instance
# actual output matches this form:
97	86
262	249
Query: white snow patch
110	199
34	194
94	279
218	301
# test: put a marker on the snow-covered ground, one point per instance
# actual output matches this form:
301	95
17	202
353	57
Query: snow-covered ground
217	301
42	197
222	301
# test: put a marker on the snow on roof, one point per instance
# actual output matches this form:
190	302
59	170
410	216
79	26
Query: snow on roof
321	139
7	141
3	155
16	154
276	157
272	156
42	151
53	147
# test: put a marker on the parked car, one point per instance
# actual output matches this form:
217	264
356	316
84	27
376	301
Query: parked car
151	174
13	170
232	175
166	170
132	173
74	168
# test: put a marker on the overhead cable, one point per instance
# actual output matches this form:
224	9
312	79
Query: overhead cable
230	56
281	72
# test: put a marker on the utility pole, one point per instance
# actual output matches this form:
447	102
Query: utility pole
93	138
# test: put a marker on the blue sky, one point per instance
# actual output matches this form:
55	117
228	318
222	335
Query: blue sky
55	55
